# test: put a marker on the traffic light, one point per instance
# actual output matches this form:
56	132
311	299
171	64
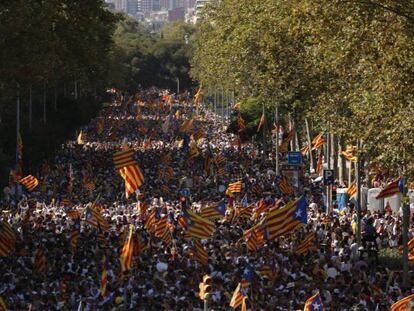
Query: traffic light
205	287
333	193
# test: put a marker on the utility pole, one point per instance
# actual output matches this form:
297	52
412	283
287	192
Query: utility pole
277	140
358	182
328	161
178	86
406	223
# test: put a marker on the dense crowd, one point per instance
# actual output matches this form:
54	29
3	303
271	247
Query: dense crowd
166	277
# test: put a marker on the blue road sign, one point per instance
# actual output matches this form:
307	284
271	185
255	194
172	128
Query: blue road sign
294	158
328	177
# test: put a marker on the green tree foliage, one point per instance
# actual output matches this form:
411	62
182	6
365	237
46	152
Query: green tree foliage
141	58
346	65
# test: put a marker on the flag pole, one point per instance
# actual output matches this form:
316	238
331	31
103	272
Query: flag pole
264	135
277	140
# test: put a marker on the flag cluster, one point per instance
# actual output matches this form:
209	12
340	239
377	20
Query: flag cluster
307	245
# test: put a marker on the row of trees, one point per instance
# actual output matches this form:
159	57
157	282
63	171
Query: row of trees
53	57
344	66
144	58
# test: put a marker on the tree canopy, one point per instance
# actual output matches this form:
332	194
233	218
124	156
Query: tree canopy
346	65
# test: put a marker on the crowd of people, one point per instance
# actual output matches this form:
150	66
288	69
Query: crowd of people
165	276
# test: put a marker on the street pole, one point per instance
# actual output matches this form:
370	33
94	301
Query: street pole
406	220
358	180
329	187
30	106
277	140
205	304
178	86
17	114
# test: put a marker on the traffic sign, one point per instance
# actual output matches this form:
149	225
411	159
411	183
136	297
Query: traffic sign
294	158
328	177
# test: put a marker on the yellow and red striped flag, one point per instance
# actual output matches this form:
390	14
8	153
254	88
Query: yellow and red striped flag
3	306
30	182
104	277
404	304
75	234
352	190
305	150
397	186
318	141
123	158
7	239
241	123
127	252
235	187
262	122
283	147
285	187
198	253
307	245
410	250
39	264
349	153
319	163
239	298
133	178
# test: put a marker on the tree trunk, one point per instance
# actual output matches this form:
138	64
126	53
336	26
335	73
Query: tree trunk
30	107
55	99
308	138
44	102
342	162
334	153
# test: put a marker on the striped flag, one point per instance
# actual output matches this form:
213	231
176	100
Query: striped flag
410	250
235	187
187	126
241	123
307	245
104	277
220	160
7	239
123	158
198	253
314	303
208	159
349	153
90	186
161	226
262	122
352	190
75	234
285	187
283	147
305	150
397	186
193	152
221	171
165	189
318	141
3	306
255	237
169	173
319	163
239	298
199	134
195	225
39	264
30	182
405	304
284	220
150	222
133	178
127	252
214	211
141	244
